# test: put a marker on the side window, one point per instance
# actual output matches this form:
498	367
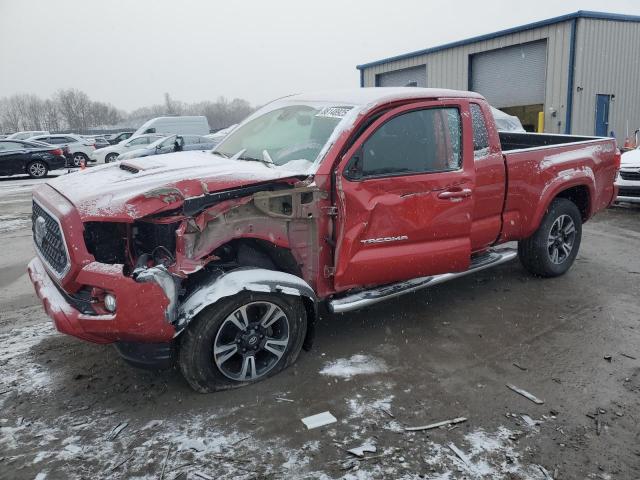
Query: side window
480	136
11	146
421	141
139	141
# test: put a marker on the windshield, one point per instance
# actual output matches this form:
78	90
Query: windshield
163	142
281	135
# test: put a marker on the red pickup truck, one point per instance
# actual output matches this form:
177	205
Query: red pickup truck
220	260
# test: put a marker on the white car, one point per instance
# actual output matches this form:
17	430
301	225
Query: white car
26	134
80	149
628	179
217	137
110	154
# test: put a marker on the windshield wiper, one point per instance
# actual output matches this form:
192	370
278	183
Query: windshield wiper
266	158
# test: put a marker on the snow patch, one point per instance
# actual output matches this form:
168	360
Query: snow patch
356	365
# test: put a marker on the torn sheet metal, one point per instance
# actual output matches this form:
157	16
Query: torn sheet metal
362	449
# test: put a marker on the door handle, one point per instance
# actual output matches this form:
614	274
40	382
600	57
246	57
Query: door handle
455	194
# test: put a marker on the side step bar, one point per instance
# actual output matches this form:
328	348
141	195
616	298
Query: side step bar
369	297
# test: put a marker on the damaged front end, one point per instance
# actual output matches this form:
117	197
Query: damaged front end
188	246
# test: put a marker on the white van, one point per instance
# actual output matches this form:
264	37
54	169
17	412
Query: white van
194	125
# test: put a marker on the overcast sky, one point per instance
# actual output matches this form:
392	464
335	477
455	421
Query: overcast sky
129	53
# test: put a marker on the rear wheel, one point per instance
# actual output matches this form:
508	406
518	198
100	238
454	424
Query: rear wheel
79	158
37	169
552	249
242	339
112	157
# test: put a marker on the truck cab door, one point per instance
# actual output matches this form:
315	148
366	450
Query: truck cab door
405	197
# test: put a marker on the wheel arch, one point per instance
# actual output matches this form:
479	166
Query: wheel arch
220	285
580	192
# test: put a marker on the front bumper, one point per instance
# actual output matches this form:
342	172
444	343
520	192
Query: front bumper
628	190
141	307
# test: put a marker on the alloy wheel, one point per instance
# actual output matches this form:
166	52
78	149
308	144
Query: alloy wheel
561	239
251	341
37	169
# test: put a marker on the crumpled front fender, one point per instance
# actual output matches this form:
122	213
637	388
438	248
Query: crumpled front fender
239	280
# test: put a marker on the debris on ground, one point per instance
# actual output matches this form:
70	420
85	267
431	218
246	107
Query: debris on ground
117	429
525	394
203	475
459	453
319	420
118	465
517	365
608	358
282	399
546	474
362	449
530	421
628	356
436	425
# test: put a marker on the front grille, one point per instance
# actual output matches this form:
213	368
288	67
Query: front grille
48	240
629	175
629	191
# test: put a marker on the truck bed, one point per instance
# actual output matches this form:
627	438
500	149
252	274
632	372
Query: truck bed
541	166
520	141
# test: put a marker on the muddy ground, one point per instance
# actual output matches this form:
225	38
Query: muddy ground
73	410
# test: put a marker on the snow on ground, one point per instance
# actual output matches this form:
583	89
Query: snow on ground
80	442
356	365
18	371
11	223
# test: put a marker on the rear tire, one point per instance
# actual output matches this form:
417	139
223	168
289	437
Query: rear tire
552	249
112	157
78	158
37	169
216	354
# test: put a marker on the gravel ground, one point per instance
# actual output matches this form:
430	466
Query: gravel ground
73	410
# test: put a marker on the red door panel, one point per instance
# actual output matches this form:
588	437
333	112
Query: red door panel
400	227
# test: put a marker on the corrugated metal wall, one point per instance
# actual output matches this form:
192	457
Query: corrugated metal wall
450	68
607	62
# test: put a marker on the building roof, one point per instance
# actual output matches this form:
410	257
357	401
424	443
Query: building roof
529	26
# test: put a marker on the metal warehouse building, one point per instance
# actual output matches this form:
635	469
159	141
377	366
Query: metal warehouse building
577	73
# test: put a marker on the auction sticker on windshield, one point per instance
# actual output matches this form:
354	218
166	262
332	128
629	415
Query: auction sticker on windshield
333	112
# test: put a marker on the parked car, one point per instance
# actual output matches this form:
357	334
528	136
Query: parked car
628	180
346	198
194	125
218	136
98	140
26	134
111	153
80	149
18	157
118	137
170	144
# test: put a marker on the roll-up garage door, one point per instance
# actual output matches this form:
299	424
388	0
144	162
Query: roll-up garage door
407	77
511	76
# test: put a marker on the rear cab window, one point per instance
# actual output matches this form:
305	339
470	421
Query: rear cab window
480	135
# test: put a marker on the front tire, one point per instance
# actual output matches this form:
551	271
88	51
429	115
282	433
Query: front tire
242	339
112	157
37	169
552	249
